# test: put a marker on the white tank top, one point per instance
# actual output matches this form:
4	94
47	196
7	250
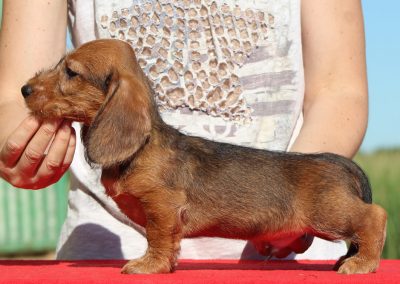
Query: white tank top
229	71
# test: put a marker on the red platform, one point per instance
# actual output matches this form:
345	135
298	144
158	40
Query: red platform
189	271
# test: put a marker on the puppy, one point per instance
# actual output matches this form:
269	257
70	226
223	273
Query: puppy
180	186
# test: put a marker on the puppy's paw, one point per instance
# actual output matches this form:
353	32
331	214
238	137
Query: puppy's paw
339	263
356	265
147	265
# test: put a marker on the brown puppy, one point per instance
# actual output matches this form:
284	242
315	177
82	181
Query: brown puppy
180	186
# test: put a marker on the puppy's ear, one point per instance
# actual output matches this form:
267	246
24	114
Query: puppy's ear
122	125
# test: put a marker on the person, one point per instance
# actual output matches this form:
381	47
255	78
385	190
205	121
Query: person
295	70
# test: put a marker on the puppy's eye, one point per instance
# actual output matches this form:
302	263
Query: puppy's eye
70	73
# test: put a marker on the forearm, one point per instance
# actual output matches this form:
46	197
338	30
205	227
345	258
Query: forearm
336	93
32	37
33	153
336	122
11	114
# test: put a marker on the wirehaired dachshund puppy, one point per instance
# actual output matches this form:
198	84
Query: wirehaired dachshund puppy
180	186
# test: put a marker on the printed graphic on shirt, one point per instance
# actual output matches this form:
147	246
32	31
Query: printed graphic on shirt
192	51
228	70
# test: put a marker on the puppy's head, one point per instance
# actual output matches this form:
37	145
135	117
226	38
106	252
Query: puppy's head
101	85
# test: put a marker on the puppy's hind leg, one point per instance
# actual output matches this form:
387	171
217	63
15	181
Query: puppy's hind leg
367	243
353	249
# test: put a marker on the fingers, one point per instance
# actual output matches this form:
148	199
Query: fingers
16	143
68	157
54	160
34	152
23	161
70	151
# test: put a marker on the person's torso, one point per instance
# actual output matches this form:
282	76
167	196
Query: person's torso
229	71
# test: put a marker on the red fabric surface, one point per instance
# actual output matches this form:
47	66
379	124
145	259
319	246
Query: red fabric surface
189	271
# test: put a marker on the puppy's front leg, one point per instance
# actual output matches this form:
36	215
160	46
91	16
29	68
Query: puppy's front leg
164	233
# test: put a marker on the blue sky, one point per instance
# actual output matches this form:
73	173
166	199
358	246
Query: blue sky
382	28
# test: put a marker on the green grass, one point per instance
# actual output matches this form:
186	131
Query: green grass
383	170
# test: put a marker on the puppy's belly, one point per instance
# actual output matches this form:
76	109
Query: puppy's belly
279	239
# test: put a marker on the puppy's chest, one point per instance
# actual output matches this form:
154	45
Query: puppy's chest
111	180
115	187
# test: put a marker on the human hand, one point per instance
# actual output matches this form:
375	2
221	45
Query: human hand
281	248
37	153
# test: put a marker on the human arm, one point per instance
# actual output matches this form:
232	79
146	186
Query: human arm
32	37
336	95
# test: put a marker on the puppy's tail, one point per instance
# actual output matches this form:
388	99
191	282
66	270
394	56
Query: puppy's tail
364	186
361	183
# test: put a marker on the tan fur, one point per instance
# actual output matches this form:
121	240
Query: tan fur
180	186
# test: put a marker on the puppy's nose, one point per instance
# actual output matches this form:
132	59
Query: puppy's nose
26	90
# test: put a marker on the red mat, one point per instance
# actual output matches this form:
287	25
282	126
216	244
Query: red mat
189	271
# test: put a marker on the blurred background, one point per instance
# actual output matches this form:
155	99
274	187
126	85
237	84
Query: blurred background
30	221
